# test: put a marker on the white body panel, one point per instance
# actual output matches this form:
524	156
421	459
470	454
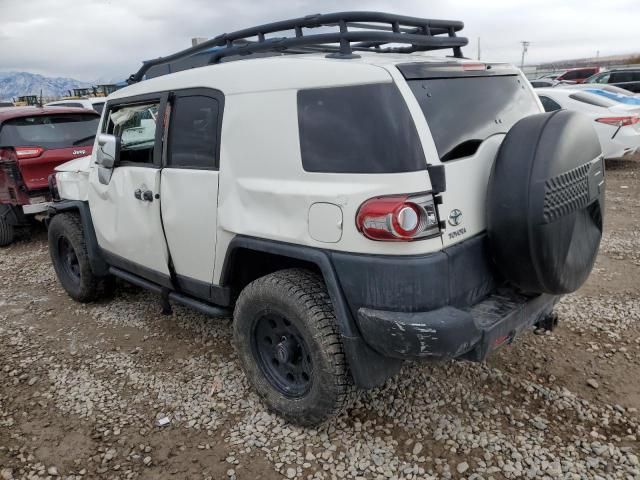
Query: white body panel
263	190
627	138
189	214
73	178
126	226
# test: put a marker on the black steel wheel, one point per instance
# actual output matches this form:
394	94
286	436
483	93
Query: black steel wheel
69	259
283	355
287	338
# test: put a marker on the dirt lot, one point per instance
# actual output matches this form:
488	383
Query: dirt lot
82	385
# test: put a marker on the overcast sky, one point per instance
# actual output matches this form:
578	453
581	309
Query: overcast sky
107	39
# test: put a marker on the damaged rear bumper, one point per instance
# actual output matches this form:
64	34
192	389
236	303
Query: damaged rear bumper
450	332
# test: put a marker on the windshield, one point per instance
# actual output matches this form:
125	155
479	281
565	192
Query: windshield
50	131
463	112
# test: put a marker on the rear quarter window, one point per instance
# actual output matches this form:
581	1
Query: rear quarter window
357	129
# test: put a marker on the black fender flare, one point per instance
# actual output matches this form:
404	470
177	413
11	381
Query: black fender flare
368	368
98	264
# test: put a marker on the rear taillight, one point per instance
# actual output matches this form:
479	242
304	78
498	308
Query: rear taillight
398	218
619	121
28	152
7	155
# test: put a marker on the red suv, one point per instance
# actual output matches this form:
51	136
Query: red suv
33	141
578	75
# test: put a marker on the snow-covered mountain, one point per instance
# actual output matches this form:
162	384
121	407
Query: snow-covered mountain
14	84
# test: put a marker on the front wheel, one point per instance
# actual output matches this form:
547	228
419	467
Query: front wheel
70	259
289	345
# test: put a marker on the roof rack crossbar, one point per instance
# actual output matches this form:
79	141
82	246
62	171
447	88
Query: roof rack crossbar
357	31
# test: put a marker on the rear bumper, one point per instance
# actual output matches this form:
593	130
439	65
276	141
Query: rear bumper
450	332
446	304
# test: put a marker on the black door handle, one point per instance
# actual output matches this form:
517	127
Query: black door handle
146	196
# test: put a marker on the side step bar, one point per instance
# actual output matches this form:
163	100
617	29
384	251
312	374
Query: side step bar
200	306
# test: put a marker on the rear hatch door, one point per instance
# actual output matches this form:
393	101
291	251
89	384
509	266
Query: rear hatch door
468	108
42	142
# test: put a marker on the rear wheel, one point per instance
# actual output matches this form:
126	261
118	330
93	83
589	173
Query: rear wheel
287	338
7	230
70	259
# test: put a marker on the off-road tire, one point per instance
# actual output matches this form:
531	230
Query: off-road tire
7	231
86	287
300	297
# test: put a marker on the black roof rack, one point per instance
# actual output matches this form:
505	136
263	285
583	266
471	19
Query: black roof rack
357	31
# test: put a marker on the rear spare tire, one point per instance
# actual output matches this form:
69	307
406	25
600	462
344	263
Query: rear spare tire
545	202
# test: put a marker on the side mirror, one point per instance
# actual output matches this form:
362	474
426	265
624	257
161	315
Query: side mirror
108	150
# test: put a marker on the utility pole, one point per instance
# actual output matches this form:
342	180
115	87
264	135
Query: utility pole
478	48
525	47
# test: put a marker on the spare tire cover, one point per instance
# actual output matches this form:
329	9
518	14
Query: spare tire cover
545	202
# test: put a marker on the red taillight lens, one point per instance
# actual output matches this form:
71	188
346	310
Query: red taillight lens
619	121
7	155
28	152
398	217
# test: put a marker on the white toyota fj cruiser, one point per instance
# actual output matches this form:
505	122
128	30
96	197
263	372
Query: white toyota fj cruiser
356	202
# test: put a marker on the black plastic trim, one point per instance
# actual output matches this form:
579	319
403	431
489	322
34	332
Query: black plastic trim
450	332
204	290
198	305
137	269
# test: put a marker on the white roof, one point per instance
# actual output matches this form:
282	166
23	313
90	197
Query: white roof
281	72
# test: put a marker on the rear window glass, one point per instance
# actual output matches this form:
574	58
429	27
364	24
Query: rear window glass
50	131
357	129
463	112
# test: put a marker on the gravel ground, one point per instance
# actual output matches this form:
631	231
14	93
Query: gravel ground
84	385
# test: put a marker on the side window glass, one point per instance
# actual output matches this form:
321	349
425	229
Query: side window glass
548	104
193	132
619	77
136	127
604	78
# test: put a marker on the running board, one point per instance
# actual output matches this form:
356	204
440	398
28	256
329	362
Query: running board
185	300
